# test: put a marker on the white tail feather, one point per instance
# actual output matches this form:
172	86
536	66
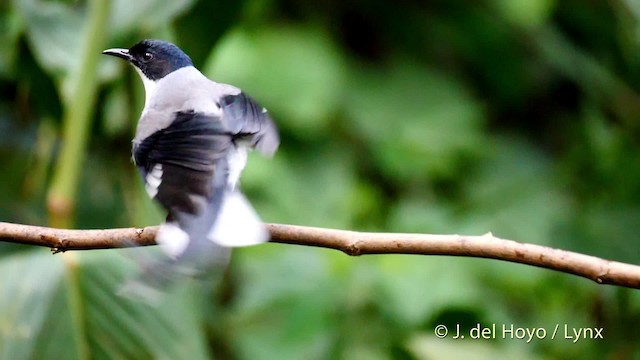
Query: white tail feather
238	224
172	240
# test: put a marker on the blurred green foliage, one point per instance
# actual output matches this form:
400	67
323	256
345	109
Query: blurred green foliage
516	117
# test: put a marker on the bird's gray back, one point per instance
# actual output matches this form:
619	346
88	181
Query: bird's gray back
185	89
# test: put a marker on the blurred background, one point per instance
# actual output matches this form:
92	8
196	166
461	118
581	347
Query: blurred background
516	117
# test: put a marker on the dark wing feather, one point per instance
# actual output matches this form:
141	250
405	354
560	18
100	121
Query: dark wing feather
190	151
246	118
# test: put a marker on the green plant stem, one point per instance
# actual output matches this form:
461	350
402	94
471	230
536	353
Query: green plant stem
76	307
78	108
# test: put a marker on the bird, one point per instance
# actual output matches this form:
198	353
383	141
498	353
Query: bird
190	147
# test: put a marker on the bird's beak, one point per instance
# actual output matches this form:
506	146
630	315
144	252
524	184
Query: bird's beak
121	53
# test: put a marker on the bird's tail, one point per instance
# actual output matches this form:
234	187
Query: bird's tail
238	224
159	274
196	245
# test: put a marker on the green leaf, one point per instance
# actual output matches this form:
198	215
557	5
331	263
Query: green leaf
296	72
11	27
417	122
53	33
427	346
413	288
419	213
76	293
526	13
23	309
515	194
53	29
129	16
285	303
326	193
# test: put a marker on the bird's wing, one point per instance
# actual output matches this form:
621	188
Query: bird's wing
185	168
178	163
246	118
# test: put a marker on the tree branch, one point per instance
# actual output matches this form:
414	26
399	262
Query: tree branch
354	243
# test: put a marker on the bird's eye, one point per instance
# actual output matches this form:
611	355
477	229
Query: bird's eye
147	56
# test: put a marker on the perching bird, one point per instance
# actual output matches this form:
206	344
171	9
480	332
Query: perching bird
190	147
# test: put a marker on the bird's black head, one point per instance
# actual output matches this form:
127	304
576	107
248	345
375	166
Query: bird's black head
154	58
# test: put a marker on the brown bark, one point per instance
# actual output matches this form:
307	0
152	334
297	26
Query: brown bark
355	243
